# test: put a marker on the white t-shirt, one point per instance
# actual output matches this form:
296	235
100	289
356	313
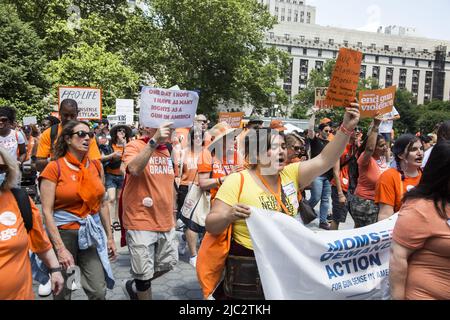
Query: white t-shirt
426	156
11	142
386	126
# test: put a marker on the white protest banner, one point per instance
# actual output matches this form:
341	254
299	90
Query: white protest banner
116	120
165	105
89	101
296	263
125	107
29	120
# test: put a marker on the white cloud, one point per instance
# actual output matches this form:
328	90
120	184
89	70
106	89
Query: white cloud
373	19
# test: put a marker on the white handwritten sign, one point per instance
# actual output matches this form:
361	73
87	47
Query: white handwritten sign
125	107
165	105
89	101
29	120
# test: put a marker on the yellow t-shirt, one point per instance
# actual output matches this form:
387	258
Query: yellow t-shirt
253	195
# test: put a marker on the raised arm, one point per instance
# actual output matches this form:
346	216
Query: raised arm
313	168
371	142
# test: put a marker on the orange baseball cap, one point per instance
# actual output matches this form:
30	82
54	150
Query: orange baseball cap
277	125
325	120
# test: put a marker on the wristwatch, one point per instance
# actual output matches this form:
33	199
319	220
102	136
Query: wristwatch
53	270
153	144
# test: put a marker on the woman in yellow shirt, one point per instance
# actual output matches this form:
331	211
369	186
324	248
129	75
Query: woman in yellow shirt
267	184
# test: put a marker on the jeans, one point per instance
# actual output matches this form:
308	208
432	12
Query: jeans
321	191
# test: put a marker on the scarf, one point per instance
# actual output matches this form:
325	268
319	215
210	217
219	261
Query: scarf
88	184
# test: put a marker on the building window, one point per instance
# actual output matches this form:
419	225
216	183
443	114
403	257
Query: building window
377	59
316	40
319	65
282	18
319	53
403	62
362	73
430	64
334	54
303	80
386	47
360	44
373	46
417	63
389	77
289	18
277	10
345	43
425	50
302	38
286	35
428	84
376	72
402	79
413	50
305	51
390	60
400	49
331	41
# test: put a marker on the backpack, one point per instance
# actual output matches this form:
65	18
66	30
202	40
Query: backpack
107	150
23	201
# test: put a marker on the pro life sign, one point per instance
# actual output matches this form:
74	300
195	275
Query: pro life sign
89	101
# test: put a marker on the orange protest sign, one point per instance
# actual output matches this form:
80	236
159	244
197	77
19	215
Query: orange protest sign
232	118
344	80
376	101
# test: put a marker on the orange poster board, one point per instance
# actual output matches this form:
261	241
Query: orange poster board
376	101
232	118
345	78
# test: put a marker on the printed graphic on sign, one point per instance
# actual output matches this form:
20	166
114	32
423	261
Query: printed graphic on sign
345	78
125	107
164	105
115	120
376	101
320	97
89	101
232	118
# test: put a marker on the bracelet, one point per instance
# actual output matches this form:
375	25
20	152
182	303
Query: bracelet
53	270
346	131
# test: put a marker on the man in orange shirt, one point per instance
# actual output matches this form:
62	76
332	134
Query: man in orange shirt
148	210
67	111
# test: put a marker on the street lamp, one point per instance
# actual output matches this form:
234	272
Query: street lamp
272	99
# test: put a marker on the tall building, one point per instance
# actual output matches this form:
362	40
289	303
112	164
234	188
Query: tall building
394	57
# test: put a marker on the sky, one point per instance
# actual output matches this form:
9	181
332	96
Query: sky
429	17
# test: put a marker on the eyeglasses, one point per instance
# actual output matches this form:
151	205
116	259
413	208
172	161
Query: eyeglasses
298	148
327	131
83	134
4	120
3	168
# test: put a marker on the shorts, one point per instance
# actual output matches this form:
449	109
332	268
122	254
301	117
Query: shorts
151	252
363	211
113	182
387	138
339	211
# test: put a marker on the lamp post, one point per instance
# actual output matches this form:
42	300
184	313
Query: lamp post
272	99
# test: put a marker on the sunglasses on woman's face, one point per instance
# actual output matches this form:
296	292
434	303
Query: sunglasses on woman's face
3	168
121	130
83	134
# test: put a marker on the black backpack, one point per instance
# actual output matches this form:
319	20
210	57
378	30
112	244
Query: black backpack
23	201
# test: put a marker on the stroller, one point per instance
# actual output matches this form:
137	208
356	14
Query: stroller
29	181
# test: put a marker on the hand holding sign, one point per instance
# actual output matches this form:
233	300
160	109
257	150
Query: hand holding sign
351	117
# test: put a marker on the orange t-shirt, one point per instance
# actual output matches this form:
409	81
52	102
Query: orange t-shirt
189	173
66	195
208	164
44	147
368	177
31	143
117	171
419	227
390	188
15	269
148	199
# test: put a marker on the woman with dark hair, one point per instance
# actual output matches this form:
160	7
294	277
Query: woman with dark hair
112	160
268	184
72	193
188	175
371	164
420	251
395	182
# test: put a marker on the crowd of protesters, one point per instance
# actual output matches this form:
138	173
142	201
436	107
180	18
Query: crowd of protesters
93	180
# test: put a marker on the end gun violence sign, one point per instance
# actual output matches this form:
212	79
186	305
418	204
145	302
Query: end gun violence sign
89	101
165	105
345	78
232	118
376	101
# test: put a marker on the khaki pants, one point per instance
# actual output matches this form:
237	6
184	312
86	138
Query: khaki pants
91	269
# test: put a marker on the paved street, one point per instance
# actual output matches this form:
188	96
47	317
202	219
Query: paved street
179	284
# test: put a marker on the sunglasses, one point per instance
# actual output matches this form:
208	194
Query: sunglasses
299	148
122	130
4	120
83	134
3	168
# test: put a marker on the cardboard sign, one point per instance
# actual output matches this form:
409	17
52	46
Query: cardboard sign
345	78
165	105
89	101
125	107
232	118
320	97
376	101
29	120
116	119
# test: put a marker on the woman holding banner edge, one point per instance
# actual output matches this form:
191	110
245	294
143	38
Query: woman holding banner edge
254	187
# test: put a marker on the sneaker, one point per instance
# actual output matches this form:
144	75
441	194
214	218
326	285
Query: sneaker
181	243
45	289
127	287
324	225
193	261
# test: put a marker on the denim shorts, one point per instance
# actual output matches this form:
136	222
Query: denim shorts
113	181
